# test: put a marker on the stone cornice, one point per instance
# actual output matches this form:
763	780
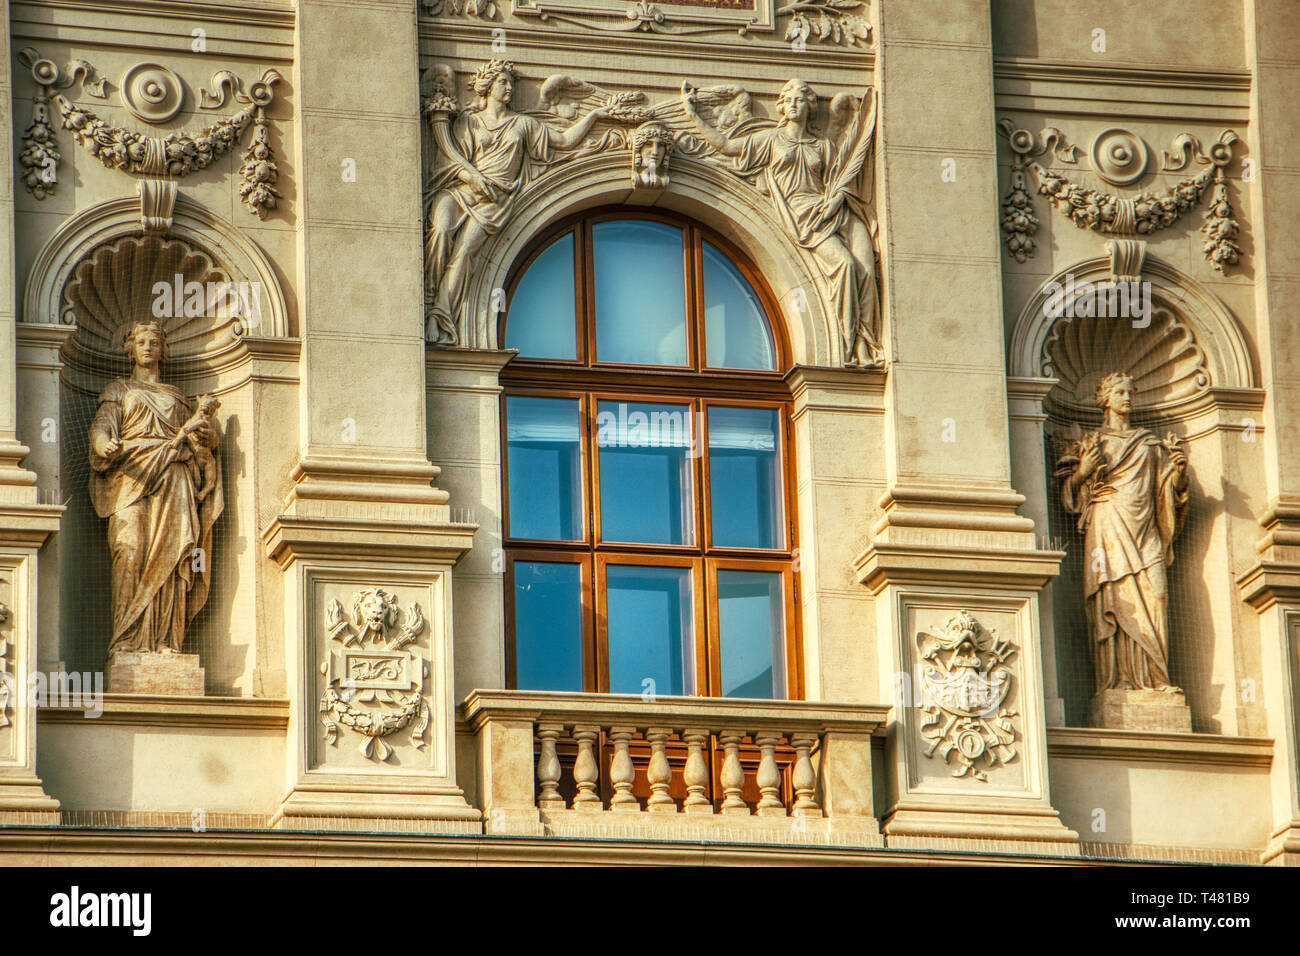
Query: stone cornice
1023	68
149	710
1202	750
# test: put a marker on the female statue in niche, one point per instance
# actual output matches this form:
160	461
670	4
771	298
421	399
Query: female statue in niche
811	183
1129	489
156	477
493	152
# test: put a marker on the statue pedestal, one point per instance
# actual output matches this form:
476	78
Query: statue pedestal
1141	710
153	672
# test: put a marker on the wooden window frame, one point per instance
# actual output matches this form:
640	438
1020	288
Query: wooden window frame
698	388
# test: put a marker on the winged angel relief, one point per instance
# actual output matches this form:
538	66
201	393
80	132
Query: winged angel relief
489	153
373	684
965	682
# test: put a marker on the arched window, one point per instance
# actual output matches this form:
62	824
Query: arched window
648	522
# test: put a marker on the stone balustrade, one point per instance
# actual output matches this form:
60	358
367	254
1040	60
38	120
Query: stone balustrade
521	774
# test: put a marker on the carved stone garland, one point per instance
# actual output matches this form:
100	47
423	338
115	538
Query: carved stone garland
1120	157
175	154
5	679
369	665
965	682
836	21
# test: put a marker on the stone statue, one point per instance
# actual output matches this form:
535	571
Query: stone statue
812	186
156	477
492	152
1129	489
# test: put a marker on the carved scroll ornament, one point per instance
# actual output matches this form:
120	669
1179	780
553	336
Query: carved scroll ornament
5	617
834	21
965	683
176	154
374	685
1117	160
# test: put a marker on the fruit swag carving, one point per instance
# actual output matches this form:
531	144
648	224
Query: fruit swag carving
1119	157
812	183
175	154
370	665
837	21
965	682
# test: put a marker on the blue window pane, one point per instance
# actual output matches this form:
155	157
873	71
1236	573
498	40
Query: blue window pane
744	477
648	611
540	322
735	328
544	461
751	632
548	626
640	293
645	472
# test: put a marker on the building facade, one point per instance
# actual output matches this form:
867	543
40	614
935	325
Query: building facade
604	431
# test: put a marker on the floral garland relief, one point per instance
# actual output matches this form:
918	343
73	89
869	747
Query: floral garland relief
1141	215
836	21
173	155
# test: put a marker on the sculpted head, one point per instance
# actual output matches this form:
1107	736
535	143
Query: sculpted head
146	344
651	146
1115	393
495	80
796	101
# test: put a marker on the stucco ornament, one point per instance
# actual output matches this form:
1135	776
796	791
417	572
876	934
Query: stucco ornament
965	682
176	154
5	679
373	684
652	146
1120	157
1130	491
156	478
489	152
812	182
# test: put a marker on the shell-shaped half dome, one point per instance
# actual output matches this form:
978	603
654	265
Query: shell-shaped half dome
1165	362
151	278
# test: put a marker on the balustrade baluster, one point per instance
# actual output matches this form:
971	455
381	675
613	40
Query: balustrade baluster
585	769
621	772
696	773
659	773
769	778
548	767
733	777
805	780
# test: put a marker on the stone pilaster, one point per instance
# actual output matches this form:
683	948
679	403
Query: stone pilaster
25	524
363	516
1273	585
949	537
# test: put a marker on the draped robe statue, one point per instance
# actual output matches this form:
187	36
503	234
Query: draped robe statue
156	477
1129	489
811	184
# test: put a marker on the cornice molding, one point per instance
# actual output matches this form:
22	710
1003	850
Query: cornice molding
1202	750
168	713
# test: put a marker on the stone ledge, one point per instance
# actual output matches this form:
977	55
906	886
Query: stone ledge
158	710
1093	743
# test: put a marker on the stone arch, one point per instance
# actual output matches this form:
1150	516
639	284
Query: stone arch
1205	343
231	251
711	196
